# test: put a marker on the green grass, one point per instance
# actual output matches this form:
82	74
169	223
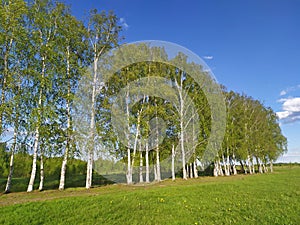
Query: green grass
243	199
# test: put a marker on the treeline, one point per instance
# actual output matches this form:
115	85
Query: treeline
253	136
51	68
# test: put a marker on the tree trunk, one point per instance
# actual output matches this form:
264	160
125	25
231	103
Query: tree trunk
173	162
129	169
37	132
158	178
253	167
195	169
220	170
226	168
147	163
181	114
2	100
259	164
216	173
191	170
249	164
89	174
271	166
63	170
228	165
141	165
66	154
155	171
234	165
260	168
157	148
41	172
11	163
33	170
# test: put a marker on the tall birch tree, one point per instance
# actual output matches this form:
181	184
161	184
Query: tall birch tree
102	34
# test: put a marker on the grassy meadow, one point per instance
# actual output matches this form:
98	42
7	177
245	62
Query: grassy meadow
242	199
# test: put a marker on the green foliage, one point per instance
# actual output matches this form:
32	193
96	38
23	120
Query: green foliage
4	160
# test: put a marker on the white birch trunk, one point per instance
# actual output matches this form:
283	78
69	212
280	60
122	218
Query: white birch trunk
147	163
234	165
37	133
66	154
265	168
260	168
129	169
63	170
226	169
249	164
216	173
33	170
271	166
259	163
191	170
195	169
2	100
220	170
89	173
41	186
155	171
11	162
187	171
228	165
141	165
158	178
179	88
157	149
173	162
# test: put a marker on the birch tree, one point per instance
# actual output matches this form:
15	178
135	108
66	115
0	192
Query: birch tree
43	20
72	53
102	35
12	39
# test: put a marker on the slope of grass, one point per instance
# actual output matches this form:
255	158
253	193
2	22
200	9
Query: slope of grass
257	199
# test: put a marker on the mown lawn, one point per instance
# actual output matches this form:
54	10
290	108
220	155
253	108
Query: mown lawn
243	199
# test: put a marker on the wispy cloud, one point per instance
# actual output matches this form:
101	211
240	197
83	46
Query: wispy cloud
123	23
293	155
208	57
290	110
289	89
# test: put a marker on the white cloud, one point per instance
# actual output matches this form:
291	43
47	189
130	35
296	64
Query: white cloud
292	104
283	115
208	57
291	110
123	23
283	92
289	89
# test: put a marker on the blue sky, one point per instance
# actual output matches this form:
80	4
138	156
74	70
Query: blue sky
252	46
